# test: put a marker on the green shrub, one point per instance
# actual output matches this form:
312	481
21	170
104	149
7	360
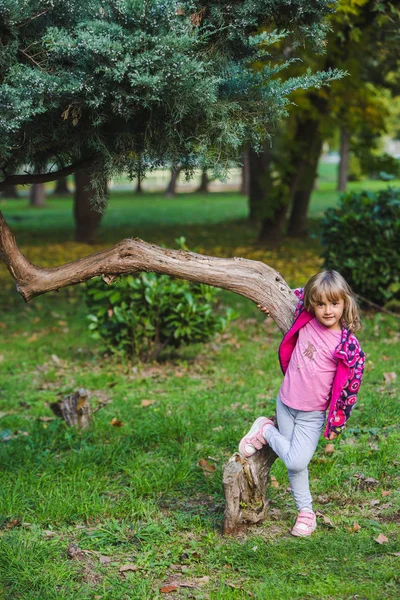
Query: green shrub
381	166
362	241
140	315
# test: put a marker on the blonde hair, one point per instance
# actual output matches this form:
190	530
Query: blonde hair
335	287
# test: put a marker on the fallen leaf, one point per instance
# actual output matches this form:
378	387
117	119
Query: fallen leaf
56	360
356	527
207	468
381	539
105	560
395	553
233	585
325	519
129	567
389	377
13	523
386	492
329	449
116	422
74	552
195	582
147	402
166	589
374	502
3	414
350	441
47	533
274	481
46	419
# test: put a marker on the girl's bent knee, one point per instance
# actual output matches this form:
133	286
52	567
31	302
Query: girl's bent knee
297	464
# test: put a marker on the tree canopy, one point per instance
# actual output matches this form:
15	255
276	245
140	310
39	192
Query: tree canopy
125	85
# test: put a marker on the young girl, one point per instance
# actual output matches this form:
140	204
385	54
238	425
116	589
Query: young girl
323	365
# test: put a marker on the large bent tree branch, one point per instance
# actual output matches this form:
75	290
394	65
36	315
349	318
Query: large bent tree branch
29	178
251	279
244	479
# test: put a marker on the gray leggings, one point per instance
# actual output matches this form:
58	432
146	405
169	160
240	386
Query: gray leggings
295	444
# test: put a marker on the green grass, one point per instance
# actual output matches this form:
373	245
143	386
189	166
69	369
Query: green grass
136	493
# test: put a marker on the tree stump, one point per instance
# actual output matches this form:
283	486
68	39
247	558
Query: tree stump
74	409
245	482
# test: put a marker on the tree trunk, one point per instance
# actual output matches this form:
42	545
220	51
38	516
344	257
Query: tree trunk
343	172
61	188
268	205
245	482
74	409
37	195
170	192
310	142
203	187
245	183
87	219
10	192
138	189
244	479
272	228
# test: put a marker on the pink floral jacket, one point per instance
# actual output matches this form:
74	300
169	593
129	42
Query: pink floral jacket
349	371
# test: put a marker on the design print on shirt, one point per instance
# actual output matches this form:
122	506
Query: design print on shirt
309	351
307	356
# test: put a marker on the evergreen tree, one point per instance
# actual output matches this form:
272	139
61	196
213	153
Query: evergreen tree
100	84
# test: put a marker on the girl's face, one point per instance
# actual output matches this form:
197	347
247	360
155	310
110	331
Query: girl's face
329	313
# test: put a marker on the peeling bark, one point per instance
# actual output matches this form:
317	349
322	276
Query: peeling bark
74	409
245	482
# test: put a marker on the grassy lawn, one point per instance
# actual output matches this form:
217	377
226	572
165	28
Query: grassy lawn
136	494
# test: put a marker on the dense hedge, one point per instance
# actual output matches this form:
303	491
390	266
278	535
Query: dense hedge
362	240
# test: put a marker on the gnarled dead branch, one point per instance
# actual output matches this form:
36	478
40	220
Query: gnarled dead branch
251	279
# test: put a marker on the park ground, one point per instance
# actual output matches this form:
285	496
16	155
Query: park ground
135	511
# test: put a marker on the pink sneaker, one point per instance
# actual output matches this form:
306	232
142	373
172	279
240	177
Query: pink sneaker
305	524
254	440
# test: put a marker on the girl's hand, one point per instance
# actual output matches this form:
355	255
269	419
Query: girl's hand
263	309
332	435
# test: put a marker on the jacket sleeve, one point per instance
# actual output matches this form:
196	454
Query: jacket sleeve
348	398
299	292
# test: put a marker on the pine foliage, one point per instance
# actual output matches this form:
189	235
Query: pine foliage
134	84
